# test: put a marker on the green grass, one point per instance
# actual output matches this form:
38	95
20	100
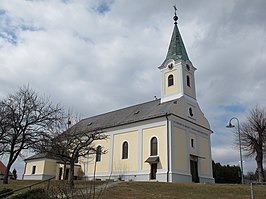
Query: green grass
53	185
147	190
183	191
16	184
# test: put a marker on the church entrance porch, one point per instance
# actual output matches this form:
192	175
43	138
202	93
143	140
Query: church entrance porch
153	161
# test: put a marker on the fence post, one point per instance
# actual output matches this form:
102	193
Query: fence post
48	184
251	190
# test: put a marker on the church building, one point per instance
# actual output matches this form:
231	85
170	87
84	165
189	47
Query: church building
166	139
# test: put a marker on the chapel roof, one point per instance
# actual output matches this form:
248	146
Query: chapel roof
46	155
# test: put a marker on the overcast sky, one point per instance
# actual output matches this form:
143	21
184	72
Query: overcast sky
95	56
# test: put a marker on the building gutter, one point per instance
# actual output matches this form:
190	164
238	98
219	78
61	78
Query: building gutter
168	150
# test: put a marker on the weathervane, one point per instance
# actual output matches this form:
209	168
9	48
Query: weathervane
175	17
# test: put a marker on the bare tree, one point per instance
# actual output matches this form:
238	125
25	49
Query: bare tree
4	128
25	119
74	143
253	137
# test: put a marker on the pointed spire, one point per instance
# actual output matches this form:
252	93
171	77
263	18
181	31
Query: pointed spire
176	48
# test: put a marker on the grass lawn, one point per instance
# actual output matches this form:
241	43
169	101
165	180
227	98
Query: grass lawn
149	190
183	191
17	184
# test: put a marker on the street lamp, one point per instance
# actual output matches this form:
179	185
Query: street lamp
230	125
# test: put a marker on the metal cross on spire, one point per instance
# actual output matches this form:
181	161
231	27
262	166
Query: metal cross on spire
175	9
175	17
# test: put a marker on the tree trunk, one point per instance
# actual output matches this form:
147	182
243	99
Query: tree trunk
71	176
259	160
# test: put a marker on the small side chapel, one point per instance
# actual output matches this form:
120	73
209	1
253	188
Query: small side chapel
165	139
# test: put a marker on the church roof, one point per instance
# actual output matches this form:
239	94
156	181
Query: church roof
176	48
132	114
42	155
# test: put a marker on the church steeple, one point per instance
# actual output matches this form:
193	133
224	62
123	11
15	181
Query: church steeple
176	48
177	70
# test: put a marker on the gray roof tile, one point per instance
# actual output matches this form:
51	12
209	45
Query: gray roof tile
42	155
136	113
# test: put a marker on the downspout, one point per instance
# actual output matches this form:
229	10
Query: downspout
168	159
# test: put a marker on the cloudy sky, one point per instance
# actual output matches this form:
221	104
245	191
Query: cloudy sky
94	56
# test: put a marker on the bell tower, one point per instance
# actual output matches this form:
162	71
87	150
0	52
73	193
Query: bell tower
177	70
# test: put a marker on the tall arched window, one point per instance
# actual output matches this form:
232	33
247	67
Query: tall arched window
125	150
98	153
154	147
188	81
170	80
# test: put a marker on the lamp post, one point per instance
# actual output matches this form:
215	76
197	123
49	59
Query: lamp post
230	125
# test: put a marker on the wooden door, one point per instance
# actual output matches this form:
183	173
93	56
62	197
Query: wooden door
194	171
153	171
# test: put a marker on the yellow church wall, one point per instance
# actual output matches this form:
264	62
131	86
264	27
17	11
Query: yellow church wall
179	150
204	166
160	133
50	167
174	88
82	161
202	119
39	167
182	109
130	164
189	90
103	165
77	170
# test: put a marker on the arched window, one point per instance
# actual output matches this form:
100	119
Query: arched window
98	153
170	80
188	81
125	150
154	147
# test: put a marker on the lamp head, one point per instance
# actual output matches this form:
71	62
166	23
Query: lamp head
230	125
